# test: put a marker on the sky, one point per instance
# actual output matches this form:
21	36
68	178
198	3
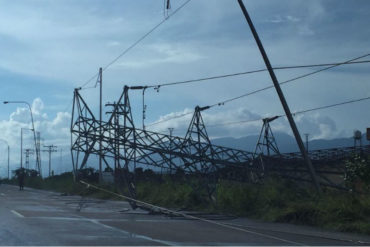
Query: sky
49	47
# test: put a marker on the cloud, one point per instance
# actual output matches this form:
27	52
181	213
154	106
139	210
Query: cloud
163	53
37	106
113	43
53	131
54	54
282	19
318	126
242	122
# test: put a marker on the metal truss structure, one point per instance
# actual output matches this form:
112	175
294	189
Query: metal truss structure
128	146
125	147
328	163
266	143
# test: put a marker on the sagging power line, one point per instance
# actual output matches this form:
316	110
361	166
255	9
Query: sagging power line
136	43
157	86
294	113
287	81
221	103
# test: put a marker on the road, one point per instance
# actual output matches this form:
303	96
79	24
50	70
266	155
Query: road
35	217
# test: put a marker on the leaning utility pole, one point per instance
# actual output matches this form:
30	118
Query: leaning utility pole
50	149
282	98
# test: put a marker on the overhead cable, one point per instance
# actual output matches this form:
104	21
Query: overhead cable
258	90
293	113
166	120
136	43
257	71
287	81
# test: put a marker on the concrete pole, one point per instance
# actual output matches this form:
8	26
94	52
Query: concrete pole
171	131
282	98
100	125
8	162
307	141
21	147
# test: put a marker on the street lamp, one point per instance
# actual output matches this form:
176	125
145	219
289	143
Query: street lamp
33	129
8	155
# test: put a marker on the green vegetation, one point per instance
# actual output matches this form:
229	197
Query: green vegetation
358	173
286	202
276	200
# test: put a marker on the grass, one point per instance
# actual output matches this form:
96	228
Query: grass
285	202
275	200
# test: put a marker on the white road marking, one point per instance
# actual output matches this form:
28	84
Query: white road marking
134	234
17	214
97	221
57	218
100	220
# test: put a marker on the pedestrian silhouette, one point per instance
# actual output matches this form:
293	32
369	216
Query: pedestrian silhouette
21	176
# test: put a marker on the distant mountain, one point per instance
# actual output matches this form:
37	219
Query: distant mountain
285	142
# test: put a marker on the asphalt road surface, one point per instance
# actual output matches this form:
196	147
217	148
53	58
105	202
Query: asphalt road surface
34	217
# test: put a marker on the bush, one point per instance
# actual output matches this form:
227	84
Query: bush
358	173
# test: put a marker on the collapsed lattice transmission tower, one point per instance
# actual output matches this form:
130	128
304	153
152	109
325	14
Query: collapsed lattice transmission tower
126	146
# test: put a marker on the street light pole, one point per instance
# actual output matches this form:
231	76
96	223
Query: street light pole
34	132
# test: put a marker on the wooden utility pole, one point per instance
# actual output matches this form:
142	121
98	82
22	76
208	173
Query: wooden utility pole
100	125
282	98
50	149
8	162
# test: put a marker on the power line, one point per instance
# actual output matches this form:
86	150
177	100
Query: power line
329	106
166	120
252	72
266	88
294	113
136	42
287	81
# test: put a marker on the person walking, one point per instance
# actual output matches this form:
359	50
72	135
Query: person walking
21	176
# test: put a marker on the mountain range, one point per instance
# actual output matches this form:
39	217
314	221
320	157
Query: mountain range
285	142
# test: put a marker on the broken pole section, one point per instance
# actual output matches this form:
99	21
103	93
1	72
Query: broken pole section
282	98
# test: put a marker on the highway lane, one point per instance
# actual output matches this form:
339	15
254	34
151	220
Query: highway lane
34	217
